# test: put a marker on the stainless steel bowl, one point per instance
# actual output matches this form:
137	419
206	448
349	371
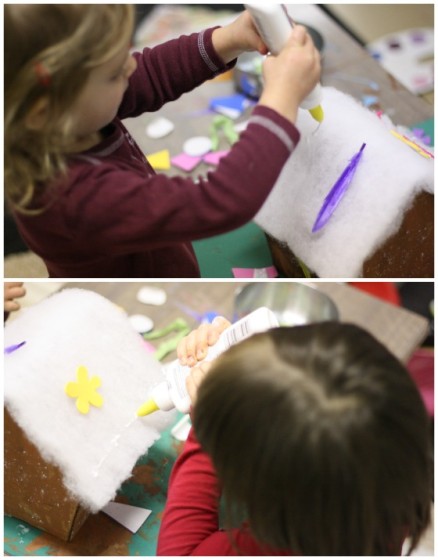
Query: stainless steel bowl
293	303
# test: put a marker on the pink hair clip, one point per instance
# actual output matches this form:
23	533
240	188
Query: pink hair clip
42	74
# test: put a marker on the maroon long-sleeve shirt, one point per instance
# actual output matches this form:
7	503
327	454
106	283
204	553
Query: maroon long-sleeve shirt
113	216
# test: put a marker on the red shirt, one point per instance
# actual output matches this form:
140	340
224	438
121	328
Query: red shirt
190	525
113	216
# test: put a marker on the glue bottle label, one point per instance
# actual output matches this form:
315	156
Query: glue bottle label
176	374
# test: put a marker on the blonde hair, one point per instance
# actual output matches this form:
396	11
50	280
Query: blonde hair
320	439
50	50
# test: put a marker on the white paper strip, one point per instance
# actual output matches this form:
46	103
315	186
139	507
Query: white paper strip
131	517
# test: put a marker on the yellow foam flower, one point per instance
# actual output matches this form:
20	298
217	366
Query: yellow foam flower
84	390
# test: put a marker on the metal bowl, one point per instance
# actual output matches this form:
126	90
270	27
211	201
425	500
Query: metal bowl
293	303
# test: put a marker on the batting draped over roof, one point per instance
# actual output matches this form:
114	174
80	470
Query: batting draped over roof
97	451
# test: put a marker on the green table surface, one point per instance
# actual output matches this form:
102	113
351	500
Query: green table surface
245	247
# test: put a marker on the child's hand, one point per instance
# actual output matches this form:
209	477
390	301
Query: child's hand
193	348
13	290
195	378
238	37
291	75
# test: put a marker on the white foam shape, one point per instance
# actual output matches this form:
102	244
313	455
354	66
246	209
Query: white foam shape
197	146
141	323
95	452
150	295
159	128
388	178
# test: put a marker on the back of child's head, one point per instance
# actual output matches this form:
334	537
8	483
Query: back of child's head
320	439
50	50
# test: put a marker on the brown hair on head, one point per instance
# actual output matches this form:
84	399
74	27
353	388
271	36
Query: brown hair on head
320	439
49	52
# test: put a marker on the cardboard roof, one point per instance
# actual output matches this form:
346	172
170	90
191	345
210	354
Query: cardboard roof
96	451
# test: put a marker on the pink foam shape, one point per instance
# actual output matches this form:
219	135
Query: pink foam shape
149	347
213	158
185	162
268	272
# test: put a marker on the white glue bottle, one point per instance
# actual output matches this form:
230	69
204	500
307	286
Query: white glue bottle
172	393
275	26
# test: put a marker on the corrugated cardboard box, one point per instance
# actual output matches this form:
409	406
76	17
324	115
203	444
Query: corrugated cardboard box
60	463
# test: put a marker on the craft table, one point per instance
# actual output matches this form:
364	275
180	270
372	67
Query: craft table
401	330
346	66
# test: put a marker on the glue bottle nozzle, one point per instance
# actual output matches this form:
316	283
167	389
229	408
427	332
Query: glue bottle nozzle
147	408
317	113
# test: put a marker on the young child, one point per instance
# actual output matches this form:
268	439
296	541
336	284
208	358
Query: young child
315	435
84	197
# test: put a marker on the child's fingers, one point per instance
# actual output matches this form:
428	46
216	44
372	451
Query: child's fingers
13	284
199	351
298	36
22	291
193	347
191	389
218	325
15	292
195	378
184	348
11	305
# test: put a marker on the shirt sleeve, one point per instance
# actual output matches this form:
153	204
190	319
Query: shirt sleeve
122	211
190	524
191	512
168	70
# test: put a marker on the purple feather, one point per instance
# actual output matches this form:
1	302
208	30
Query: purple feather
337	192
13	347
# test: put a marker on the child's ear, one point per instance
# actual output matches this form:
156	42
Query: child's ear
36	118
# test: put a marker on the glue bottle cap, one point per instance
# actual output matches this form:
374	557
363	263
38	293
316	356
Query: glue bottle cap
147	408
159	399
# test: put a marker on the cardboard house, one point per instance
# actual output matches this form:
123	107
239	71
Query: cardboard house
383	225
75	373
